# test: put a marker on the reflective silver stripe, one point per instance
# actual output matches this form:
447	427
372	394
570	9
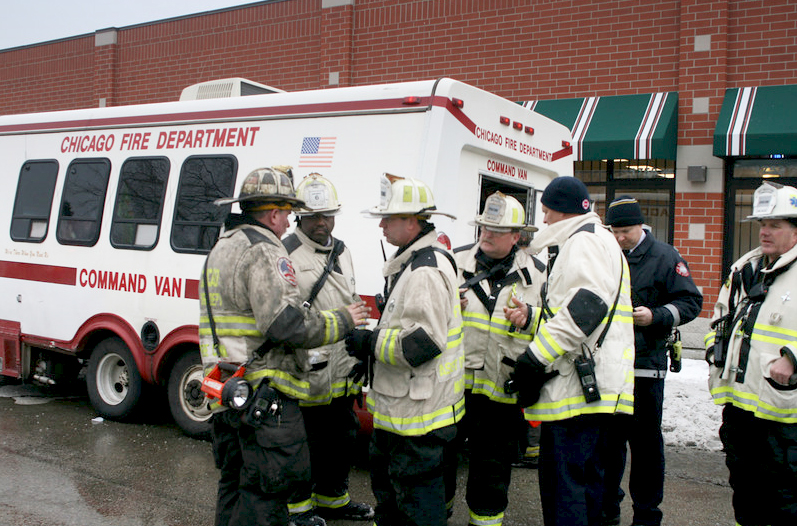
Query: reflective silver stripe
650	373
676	316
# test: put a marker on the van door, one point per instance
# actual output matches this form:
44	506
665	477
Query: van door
525	195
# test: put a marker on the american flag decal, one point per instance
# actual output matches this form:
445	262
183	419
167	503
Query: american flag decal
317	152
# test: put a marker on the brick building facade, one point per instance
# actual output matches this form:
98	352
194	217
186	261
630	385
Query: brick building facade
522	50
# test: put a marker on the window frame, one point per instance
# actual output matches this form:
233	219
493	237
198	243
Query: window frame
138	221
16	216
101	208
223	211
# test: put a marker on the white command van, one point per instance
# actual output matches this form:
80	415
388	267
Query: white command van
106	214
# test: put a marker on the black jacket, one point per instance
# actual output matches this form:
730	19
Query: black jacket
660	281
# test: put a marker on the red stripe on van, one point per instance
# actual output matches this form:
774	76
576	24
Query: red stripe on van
192	289
318	109
34	272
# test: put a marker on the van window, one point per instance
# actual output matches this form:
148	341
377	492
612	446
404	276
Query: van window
197	221
80	214
139	203
31	215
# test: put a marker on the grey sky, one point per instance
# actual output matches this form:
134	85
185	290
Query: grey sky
24	22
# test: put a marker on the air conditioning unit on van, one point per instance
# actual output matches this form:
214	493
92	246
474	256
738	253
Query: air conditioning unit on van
223	88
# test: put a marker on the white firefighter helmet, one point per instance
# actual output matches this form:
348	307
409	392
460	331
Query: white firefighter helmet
774	201
266	186
319	196
502	213
404	196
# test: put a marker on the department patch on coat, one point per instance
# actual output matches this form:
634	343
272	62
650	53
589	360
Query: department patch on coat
681	269
286	270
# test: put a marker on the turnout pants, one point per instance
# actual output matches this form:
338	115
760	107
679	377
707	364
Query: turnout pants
408	477
260	466
492	433
571	469
761	456
642	432
331	432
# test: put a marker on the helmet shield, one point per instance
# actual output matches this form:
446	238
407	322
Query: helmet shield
404	196
319	196
502	213
774	201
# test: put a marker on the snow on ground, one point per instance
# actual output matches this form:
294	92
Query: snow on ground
690	417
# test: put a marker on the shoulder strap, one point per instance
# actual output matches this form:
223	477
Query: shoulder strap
256	237
427	260
291	243
207	304
614	308
425	257
553	253
337	249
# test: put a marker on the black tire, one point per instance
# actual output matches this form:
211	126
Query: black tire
113	381
186	402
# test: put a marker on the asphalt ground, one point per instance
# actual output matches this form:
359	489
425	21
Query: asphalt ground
61	466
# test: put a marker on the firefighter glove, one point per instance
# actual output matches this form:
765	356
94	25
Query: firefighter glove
361	343
528	378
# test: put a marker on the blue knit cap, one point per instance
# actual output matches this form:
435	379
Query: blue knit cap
567	195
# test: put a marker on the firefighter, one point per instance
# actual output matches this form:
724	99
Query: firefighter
325	275
752	353
417	389
251	313
578	371
494	274
664	296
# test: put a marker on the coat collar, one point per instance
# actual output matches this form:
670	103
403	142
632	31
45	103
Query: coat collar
557	233
394	263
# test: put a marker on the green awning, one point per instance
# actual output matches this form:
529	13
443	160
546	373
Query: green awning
757	122
620	127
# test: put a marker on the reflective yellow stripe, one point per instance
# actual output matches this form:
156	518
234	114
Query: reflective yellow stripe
779	336
488	388
339	388
454	337
331	328
547	345
283	382
494	325
750	402
300	507
486	520
418	425
325	501
229	326
577	405
709	339
468	379
387	350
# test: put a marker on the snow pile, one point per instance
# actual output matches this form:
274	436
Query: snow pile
690	417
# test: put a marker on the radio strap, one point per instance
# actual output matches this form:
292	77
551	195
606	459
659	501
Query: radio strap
337	250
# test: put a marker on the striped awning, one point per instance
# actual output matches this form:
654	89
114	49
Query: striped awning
757	122
619	127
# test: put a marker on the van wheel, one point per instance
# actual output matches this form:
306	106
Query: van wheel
113	381
186	400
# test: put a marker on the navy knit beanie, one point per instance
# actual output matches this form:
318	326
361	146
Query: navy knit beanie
567	195
624	211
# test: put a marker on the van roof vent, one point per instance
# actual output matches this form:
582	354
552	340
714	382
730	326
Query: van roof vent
223	88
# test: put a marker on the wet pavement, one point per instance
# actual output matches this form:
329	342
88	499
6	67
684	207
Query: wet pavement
60	465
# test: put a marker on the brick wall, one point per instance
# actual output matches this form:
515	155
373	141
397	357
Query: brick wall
704	256
521	50
48	77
